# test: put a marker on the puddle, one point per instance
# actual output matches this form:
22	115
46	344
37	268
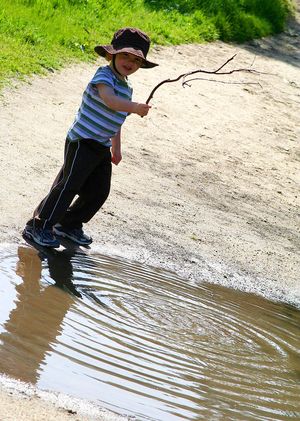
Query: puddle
144	342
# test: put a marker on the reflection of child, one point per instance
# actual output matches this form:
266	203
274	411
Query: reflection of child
35	321
93	142
29	267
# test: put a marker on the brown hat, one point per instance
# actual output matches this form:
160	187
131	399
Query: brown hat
128	40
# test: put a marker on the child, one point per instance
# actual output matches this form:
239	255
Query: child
93	143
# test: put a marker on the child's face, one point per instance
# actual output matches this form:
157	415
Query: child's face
127	63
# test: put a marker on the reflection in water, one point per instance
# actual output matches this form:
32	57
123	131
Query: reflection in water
29	333
146	342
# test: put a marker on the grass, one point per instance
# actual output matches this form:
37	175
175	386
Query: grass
39	35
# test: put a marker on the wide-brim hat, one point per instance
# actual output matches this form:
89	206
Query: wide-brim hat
128	40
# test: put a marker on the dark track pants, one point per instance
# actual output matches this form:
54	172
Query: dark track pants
86	173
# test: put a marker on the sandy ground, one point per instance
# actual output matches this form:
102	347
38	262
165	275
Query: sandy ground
209	182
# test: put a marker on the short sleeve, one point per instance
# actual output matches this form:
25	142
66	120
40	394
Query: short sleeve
103	76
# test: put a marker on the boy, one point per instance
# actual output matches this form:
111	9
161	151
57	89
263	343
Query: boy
93	143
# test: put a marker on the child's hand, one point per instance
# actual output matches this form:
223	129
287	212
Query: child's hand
141	109
116	157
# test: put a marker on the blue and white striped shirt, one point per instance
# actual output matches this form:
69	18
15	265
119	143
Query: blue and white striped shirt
94	120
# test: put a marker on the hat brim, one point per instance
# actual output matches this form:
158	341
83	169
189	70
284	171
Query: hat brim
102	50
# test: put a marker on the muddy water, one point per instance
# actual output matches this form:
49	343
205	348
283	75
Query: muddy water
144	342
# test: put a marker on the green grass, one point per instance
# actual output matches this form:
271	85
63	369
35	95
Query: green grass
38	35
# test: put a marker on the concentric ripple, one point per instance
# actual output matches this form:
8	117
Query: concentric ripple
144	342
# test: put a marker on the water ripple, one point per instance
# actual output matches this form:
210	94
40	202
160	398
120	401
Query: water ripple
144	341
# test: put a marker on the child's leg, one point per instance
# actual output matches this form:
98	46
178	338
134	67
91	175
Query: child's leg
80	161
92	194
57	180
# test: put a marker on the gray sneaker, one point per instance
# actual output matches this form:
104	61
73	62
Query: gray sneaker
42	236
75	234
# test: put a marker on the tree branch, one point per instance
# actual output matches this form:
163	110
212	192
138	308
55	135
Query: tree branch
214	72
186	82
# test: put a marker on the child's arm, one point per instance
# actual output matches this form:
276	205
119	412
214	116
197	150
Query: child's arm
116	154
119	104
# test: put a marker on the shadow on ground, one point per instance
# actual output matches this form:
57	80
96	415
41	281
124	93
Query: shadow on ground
283	47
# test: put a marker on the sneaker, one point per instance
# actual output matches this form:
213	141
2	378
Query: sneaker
43	237
75	234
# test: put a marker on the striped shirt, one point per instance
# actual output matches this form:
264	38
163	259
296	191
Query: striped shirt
94	120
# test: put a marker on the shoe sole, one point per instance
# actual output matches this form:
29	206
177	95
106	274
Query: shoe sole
31	237
69	237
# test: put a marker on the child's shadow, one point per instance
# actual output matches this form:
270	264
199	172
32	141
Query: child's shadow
36	319
60	265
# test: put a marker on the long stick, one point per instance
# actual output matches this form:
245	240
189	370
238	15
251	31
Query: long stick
185	75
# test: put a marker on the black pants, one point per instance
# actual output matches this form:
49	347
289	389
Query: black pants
86	172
